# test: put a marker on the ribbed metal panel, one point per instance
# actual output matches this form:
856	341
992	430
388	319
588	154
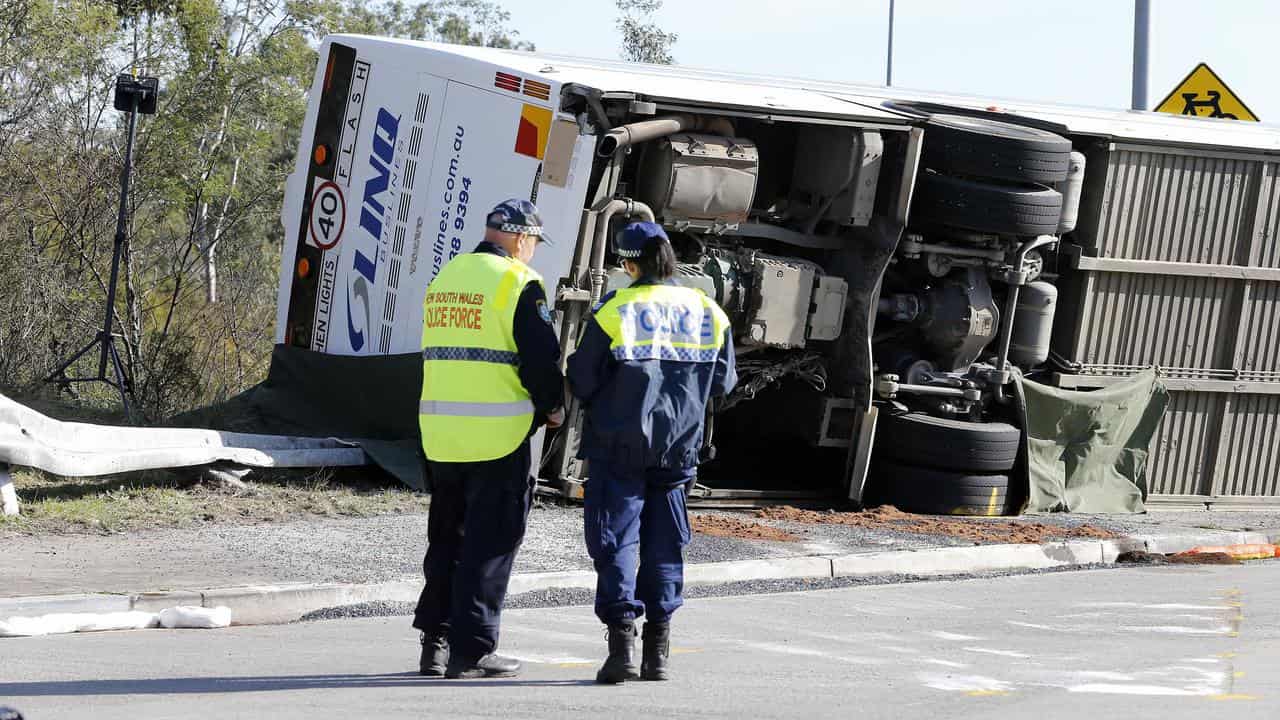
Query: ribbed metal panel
1190	207
1182	454
1260	328
1251	458
1141	320
1175	208
1269	222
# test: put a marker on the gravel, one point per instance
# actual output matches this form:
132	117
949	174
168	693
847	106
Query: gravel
383	548
378	608
347	550
554	541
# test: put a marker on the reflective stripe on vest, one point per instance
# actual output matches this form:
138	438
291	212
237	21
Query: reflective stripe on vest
501	357
663	322
473	409
473	406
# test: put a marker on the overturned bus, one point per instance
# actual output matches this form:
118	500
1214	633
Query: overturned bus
893	263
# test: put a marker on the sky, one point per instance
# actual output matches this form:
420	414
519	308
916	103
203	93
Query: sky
1073	51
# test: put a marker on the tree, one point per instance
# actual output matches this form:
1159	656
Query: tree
55	168
199	280
460	22
642	39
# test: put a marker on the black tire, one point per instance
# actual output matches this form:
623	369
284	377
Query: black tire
961	145
986	207
946	444
938	492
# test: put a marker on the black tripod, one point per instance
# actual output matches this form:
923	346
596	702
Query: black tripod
133	95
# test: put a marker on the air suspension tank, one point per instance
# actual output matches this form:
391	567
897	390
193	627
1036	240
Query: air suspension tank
1033	324
1071	188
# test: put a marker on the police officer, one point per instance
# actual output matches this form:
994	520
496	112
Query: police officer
651	357
491	377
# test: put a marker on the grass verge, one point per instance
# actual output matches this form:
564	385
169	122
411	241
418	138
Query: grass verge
178	498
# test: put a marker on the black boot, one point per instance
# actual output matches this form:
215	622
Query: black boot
488	666
435	655
657	648
620	666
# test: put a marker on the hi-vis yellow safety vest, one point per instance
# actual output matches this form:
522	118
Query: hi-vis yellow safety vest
663	322
474	407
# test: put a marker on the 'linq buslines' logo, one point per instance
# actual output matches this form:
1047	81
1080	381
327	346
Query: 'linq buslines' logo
372	212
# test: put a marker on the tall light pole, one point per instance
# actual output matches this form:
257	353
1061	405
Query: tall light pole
1141	52
888	62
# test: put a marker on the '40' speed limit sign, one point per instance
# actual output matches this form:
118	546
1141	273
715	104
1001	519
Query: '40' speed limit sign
328	215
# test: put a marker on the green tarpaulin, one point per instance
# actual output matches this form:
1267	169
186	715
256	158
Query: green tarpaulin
1087	451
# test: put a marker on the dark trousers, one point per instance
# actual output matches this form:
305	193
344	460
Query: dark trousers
636	528
475	525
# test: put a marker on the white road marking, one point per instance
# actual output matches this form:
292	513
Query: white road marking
1001	653
1176	630
845	639
944	663
1117	689
1157	606
943	635
554	659
1102	675
899	650
783	649
589	638
964	683
1034	626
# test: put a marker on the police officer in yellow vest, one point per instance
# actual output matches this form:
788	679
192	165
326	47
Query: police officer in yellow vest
651	358
491	378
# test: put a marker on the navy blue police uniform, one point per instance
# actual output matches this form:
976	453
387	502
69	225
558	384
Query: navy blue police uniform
645	397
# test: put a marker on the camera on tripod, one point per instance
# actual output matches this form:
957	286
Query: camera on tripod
134	96
141	90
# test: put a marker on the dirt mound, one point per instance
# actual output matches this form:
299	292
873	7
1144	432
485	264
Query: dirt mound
979	530
1140	557
731	527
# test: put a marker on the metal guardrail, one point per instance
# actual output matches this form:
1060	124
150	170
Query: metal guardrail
73	449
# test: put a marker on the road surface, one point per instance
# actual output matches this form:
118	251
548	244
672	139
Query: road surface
1168	642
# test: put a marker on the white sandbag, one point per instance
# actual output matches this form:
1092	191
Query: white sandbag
8	496
190	616
59	623
132	620
19	626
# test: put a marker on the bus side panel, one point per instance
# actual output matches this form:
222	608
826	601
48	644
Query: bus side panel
414	163
492	147
350	212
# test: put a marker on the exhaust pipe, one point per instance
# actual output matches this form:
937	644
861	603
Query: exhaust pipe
624	136
601	240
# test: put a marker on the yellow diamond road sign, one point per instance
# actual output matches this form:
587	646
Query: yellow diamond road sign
1203	93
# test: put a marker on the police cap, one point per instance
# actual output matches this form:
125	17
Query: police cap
517	216
637	236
